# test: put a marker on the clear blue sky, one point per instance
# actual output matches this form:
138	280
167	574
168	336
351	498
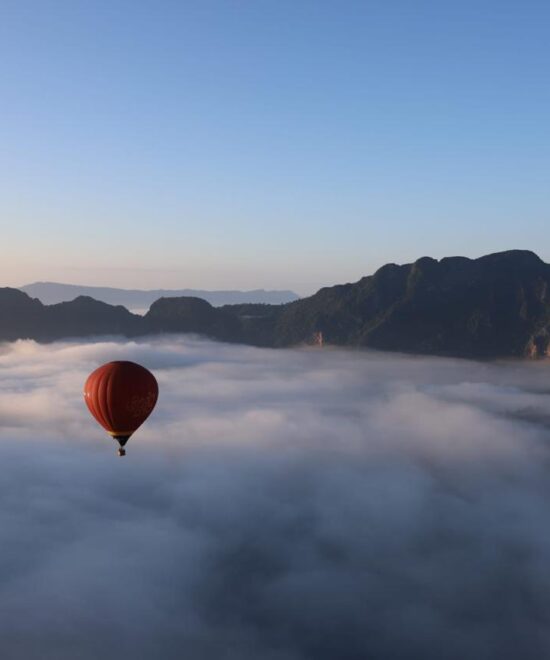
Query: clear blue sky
268	143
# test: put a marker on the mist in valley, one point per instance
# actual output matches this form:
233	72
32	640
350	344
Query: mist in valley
278	505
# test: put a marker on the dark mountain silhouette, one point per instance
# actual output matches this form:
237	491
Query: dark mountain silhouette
192	315
20	316
23	317
498	305
51	293
495	306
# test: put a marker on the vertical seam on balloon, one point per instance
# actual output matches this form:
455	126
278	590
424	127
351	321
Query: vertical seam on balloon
97	388
101	399
89	390
110	386
108	391
91	400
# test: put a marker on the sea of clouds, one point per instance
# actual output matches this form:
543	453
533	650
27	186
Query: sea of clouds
278	505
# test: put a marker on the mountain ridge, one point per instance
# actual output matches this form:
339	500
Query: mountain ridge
497	305
50	293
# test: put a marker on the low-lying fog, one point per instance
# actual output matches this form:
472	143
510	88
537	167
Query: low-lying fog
278	505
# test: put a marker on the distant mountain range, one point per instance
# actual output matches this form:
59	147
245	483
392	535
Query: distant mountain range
51	293
494	306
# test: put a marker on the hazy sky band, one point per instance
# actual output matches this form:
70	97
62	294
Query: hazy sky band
274	144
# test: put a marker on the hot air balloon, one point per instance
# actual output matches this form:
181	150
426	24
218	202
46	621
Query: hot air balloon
121	395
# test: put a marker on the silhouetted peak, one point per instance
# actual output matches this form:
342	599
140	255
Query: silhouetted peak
88	303
87	300
425	262
455	262
181	303
424	266
9	295
512	257
387	270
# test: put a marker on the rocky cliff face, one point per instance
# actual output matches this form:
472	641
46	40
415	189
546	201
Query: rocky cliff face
493	306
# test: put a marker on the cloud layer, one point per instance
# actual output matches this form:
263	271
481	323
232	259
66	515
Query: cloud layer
278	505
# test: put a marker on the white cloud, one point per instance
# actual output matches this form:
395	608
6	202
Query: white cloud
276	505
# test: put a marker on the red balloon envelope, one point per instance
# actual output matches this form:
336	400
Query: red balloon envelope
121	395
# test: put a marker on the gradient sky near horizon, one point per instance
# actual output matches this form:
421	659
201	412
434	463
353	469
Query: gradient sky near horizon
277	143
